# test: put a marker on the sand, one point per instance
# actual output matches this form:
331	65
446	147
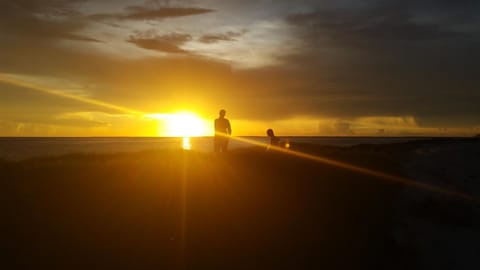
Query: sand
245	209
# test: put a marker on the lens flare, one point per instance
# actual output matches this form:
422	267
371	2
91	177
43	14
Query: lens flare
362	170
56	92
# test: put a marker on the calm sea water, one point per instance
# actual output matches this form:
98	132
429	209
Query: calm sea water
23	148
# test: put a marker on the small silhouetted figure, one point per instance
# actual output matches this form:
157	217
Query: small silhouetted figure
222	132
274	140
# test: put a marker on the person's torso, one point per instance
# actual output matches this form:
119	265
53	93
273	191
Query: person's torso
221	125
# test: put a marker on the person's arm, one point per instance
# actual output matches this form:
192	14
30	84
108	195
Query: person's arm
229	128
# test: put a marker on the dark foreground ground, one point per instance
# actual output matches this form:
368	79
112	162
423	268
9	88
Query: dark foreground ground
247	209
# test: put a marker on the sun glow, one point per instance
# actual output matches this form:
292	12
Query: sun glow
182	124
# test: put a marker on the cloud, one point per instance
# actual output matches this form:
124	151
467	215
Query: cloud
90	118
393	20
343	128
81	124
76	37
169	43
228	36
34	23
374	125
391	27
145	13
390	58
50	7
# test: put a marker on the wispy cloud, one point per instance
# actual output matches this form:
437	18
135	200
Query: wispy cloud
76	37
145	13
169	43
228	36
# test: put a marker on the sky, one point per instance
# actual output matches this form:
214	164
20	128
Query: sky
311	68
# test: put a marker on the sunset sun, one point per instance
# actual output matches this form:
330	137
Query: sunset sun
182	124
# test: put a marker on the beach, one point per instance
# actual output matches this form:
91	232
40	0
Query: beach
248	208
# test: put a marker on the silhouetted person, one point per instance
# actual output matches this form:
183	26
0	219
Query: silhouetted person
222	132
274	140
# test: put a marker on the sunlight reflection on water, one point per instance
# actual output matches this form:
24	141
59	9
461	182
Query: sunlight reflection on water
186	143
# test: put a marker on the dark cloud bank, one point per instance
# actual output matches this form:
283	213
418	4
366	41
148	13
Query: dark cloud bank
398	57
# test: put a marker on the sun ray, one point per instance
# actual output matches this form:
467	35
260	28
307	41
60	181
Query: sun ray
362	170
60	93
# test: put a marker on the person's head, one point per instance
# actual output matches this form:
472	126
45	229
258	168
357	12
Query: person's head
270	132
222	113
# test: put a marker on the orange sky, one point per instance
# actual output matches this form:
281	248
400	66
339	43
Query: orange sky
96	68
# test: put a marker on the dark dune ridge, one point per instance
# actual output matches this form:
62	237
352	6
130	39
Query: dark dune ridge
246	209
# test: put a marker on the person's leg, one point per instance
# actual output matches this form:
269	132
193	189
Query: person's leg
225	144
222	144
216	144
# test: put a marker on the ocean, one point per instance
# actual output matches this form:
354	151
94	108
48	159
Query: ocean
19	148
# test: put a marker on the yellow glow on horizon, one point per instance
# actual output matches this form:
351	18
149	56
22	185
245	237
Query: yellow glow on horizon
182	124
131	121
